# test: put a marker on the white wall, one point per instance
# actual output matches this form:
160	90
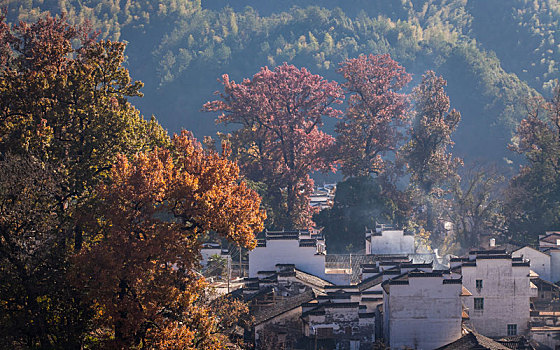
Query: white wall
550	338
286	251
554	265
540	262
207	253
347	327
391	242
506	292
338	278
425	314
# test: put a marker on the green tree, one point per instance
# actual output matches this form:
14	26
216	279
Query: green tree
39	307
430	163
431	166
477	205
360	202
533	196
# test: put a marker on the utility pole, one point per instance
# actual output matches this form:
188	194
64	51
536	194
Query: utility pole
350	276
228	272
315	331
240	264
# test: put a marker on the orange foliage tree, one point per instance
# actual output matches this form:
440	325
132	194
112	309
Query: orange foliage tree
141	268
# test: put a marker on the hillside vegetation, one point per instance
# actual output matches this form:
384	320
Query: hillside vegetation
180	48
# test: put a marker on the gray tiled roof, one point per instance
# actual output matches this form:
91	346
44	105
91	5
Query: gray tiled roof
283	306
474	341
517	342
343	261
313	280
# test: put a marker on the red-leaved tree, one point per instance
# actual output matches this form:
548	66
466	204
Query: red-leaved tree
279	142
375	115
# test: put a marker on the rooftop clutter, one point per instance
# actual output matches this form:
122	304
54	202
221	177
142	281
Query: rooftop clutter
398	299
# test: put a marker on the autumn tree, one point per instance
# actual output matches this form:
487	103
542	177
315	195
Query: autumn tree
64	112
368	136
39	308
142	263
377	111
431	166
533	196
64	98
279	141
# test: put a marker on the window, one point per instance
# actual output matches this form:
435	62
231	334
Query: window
324	332
511	329
479	284
479	303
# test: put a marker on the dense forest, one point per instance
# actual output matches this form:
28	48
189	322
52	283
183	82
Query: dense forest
435	116
180	48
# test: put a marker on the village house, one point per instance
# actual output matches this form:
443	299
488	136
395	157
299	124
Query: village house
501	292
545	314
396	301
347	316
299	247
351	316
397	296
473	340
275	300
339	319
210	249
548	337
322	197
422	310
551	239
291	307
549	243
279	326
548	298
538	261
387	240
342	316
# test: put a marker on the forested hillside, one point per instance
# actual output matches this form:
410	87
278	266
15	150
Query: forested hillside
180	48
